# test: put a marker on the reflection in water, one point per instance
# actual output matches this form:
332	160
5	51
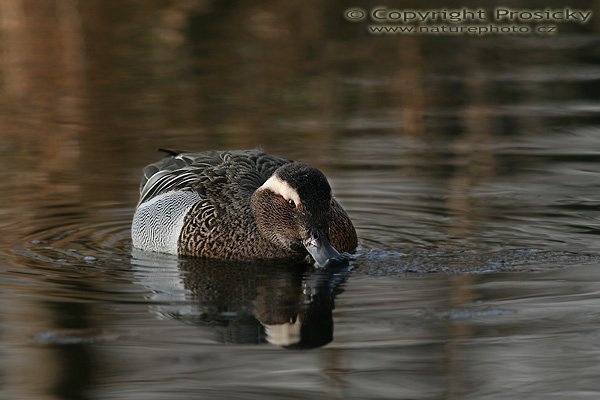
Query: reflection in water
286	304
55	361
75	360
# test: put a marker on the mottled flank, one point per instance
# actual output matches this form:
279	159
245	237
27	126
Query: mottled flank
235	217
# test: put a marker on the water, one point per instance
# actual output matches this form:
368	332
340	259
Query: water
469	165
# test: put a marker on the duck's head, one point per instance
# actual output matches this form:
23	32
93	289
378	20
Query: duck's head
293	210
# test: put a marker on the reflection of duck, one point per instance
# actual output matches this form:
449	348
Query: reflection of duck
240	205
288	305
308	322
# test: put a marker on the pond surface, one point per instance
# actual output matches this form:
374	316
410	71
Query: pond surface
469	165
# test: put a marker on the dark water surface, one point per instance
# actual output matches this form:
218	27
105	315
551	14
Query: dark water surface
469	165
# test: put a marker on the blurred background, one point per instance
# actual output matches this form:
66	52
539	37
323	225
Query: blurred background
474	156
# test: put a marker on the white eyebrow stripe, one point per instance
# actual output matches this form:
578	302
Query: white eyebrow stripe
282	188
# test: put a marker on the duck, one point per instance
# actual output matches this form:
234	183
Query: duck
240	205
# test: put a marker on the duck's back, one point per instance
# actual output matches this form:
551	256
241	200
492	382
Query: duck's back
215	175
198	199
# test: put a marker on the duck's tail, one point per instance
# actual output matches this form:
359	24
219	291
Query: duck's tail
171	152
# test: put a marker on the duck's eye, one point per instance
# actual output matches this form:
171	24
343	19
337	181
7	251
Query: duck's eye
292	203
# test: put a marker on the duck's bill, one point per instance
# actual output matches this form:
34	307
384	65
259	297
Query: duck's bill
322	251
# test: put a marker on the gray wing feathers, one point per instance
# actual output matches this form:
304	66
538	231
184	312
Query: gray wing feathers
165	181
220	175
